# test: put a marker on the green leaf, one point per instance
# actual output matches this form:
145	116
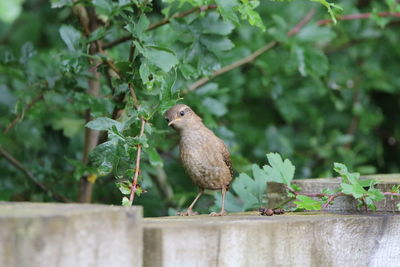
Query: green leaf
144	72
188	71
216	43
103	124
126	202
246	9
214	106
163	58
10	10
356	190
61	3
227	9
311	61
138	29
104	156
97	34
124	188
307	203
141	26
154	157
103	7
279	171
244	186
376	194
70	36
213	25
331	7
208	63
260	183
70	126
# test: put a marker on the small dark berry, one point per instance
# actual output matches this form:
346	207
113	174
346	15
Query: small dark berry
269	212
279	211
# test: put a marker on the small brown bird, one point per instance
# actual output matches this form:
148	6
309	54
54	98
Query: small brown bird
204	156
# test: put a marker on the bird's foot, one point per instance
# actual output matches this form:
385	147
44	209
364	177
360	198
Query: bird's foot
221	213
187	213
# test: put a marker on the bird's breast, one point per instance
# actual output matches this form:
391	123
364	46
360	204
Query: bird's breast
203	161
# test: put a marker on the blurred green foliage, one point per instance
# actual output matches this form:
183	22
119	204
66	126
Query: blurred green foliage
328	94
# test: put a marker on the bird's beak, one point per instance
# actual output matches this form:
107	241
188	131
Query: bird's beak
171	122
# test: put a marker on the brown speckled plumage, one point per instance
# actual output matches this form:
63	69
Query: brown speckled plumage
205	157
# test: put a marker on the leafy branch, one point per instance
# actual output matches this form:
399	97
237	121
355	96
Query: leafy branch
20	116
138	147
11	159
362	190
296	29
358	16
160	23
250	191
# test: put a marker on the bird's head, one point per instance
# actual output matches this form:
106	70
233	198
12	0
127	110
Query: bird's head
181	116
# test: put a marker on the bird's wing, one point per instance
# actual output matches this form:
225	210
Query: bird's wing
226	156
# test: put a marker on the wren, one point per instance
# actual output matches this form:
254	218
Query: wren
204	156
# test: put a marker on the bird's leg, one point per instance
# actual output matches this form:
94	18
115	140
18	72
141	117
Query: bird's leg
222	212
189	211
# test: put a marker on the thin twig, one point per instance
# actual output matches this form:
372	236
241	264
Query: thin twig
160	23
296	29
391	194
180	15
19	116
232	66
30	176
331	197
358	16
139	146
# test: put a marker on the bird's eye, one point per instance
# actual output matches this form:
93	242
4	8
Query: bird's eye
182	113
167	119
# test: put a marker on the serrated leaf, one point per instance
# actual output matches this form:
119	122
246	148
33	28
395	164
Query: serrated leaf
227	9
124	188
214	25
246	10
279	171
126	202
154	157
310	61
307	203
214	106
208	63
163	58
243	186
97	34
188	71
356	190
260	182
375	194
103	124
104	156
103	7
216	43
70	36
144	72
138	29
